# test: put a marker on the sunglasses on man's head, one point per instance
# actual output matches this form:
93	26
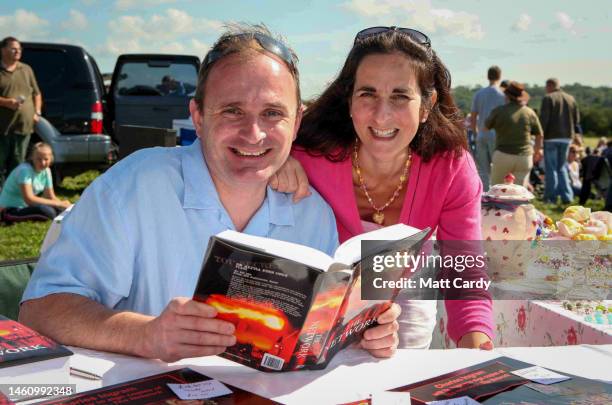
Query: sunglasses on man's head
268	43
416	36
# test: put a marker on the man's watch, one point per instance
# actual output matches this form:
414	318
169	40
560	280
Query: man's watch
38	113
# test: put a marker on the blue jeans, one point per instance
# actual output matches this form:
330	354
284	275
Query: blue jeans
556	179
485	146
31	213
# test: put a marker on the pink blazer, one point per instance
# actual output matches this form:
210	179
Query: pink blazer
443	194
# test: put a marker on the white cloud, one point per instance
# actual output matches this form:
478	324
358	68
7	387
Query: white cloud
24	25
173	31
565	22
76	21
419	14
169	26
523	23
131	4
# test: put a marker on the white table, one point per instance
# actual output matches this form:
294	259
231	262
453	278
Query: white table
354	374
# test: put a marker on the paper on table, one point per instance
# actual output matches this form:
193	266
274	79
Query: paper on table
540	375
390	398
200	390
455	401
89	367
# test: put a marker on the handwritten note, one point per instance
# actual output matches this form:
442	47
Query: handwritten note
540	375
200	390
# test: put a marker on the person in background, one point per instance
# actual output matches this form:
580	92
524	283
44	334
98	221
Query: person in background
607	156
28	192
20	106
602	145
559	117
514	125
171	87
579	143
485	100
573	166
385	144
588	165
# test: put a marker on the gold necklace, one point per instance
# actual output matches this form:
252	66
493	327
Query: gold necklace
379	216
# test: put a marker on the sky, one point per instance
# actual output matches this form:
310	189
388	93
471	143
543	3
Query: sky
531	40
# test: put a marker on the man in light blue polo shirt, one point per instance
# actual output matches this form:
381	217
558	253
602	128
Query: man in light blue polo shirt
130	251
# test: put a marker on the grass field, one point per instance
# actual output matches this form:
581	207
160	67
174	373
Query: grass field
24	239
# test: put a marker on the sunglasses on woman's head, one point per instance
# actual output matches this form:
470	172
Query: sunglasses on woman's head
268	43
416	36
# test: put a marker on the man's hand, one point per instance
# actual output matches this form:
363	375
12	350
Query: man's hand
291	178
382	340
12	103
537	155
36	118
185	329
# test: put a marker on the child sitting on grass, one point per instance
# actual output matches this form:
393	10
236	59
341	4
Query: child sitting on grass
27	194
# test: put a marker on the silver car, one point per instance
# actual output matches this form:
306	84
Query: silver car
77	148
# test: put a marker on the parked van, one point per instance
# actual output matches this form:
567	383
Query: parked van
73	95
151	90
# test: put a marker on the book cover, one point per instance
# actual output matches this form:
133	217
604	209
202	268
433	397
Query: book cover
492	383
21	345
293	307
154	390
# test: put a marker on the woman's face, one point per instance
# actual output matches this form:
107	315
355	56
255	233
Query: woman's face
386	104
42	159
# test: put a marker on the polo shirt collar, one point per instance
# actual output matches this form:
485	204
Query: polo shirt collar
280	207
3	67
200	191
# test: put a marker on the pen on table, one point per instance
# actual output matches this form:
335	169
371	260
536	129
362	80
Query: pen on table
84	374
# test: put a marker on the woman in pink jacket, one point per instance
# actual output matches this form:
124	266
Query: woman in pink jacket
384	144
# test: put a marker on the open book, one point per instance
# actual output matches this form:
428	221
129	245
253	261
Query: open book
293	306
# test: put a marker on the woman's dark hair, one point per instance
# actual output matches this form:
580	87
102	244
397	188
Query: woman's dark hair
327	129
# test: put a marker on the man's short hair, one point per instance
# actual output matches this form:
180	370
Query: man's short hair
7	40
553	82
494	73
243	39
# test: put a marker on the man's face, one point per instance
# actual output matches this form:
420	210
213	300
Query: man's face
11	52
249	120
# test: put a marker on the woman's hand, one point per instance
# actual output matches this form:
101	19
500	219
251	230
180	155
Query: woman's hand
475	340
291	178
382	340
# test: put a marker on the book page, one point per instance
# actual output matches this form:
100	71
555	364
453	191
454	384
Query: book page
349	252
293	251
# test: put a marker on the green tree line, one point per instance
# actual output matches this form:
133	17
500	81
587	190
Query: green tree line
594	103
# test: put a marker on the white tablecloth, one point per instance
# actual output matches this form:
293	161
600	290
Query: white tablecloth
353	374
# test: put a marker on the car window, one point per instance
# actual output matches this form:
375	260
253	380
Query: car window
51	70
156	79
